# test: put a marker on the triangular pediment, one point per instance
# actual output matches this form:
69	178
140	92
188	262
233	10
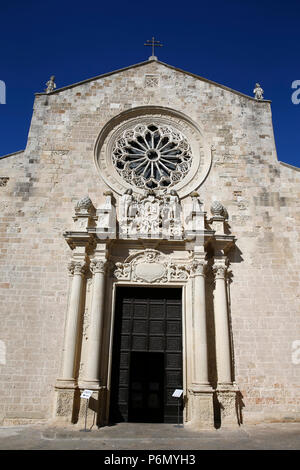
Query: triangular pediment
146	64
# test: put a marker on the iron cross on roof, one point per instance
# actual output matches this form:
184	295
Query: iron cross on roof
154	44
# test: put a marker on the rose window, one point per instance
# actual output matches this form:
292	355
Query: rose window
152	156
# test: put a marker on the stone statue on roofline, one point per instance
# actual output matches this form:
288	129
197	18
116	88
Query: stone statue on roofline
258	92
50	84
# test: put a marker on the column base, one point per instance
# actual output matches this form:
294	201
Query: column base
227	395
92	410
66	384
65	409
202	410
90	385
71	408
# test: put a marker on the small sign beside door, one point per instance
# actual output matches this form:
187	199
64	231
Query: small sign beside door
178	392
86	394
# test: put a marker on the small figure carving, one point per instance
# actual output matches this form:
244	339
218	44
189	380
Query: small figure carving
127	200
149	211
50	84
258	92
151	214
196	203
173	205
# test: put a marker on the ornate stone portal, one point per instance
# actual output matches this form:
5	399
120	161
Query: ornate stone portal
155	231
154	236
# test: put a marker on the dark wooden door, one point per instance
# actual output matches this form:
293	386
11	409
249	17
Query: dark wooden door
147	355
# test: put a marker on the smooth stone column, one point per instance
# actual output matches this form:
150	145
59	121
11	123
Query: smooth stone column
200	328
72	324
91	379
201	393
222	325
226	389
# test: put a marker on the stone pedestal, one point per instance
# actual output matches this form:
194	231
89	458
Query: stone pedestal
202	410
65	402
227	398
88	412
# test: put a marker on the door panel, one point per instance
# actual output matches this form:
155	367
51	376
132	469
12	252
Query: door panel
147	355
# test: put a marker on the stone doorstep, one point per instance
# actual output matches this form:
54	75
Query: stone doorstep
140	432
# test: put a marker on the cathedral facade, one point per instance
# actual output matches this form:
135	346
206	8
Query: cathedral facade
149	243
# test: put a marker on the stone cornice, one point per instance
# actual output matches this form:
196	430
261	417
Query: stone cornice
291	167
78	238
12	154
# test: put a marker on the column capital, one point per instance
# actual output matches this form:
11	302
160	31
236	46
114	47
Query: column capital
220	268
199	267
98	265
77	267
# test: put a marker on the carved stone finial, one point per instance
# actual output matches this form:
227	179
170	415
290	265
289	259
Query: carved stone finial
217	209
50	84
258	92
84	205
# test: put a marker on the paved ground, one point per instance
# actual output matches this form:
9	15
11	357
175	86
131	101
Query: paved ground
132	436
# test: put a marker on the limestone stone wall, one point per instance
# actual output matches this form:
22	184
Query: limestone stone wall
57	168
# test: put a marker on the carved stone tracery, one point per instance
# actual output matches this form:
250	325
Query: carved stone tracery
152	156
131	152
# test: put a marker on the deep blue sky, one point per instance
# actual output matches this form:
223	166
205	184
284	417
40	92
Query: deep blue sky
235	43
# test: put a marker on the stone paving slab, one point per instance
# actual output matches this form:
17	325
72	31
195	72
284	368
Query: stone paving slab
146	436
